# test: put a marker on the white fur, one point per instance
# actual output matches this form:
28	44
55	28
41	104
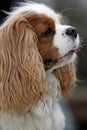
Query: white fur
65	43
39	8
47	116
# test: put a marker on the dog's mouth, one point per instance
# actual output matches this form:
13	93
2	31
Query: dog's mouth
50	62
69	54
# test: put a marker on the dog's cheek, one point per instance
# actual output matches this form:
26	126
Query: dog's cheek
67	78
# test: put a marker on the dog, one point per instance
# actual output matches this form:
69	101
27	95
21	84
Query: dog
37	66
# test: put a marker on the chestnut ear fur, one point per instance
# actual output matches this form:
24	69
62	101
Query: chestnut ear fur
22	75
67	77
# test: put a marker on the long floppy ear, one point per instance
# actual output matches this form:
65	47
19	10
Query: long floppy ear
67	77
22	74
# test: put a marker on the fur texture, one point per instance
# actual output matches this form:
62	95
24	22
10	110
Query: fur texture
67	78
36	66
23	76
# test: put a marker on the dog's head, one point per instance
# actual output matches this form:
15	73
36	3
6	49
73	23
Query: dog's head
32	41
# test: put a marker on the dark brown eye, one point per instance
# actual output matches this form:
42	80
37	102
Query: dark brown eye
47	33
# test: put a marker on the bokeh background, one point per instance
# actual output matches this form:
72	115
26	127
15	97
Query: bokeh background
75	14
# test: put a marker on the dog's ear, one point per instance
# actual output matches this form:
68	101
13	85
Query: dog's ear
22	74
67	77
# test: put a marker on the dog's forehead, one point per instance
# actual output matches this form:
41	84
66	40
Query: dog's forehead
40	9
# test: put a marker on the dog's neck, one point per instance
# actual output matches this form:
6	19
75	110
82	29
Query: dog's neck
54	87
47	115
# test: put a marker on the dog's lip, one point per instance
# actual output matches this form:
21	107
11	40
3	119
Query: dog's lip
69	53
72	50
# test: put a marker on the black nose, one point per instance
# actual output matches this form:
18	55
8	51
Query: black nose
71	32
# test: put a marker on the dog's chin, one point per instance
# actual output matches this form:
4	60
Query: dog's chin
69	58
67	55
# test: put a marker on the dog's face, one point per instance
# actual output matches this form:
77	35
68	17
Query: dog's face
57	43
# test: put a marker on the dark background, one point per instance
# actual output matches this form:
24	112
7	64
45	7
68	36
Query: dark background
75	12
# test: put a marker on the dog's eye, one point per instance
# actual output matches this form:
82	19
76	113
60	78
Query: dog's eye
48	32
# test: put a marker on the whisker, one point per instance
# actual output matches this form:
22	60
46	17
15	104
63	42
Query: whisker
84	44
68	9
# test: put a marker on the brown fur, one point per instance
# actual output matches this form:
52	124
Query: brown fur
40	23
22	76
67	77
22	73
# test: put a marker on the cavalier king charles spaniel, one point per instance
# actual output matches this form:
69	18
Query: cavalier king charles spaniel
37	67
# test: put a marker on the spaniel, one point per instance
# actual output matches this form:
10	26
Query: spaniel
37	66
